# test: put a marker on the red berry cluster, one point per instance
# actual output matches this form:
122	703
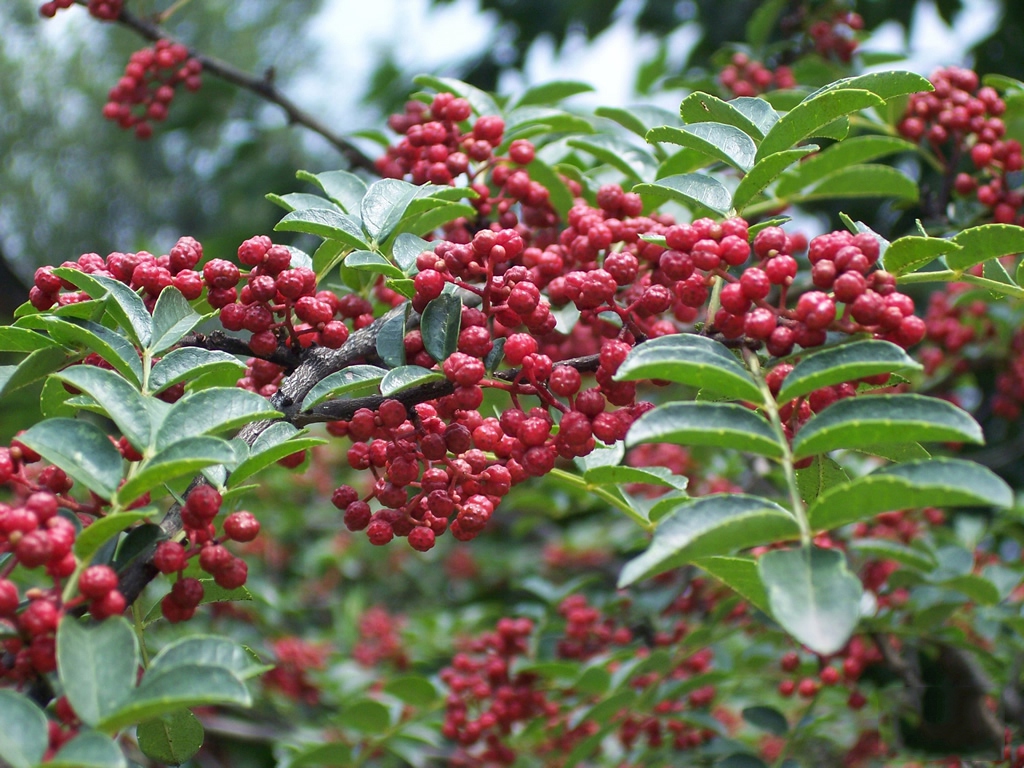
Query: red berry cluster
296	658
848	668
171	557
958	119
380	640
104	10
837	37
744	76
146	90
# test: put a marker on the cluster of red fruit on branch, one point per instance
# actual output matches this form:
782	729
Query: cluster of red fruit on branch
961	120
744	76
380	640
104	10
837	37
295	659
846	668
146	89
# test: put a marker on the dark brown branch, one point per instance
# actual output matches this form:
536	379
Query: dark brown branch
263	87
220	341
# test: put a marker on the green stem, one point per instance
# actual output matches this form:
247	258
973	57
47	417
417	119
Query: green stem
772	409
140	631
952	275
602	493
174	8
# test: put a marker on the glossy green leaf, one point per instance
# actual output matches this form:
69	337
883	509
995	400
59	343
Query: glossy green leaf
908	254
212	410
686	358
53	400
13	339
708	527
813	114
207	650
725	142
933	482
119	400
356	379
384	204
620	475
625	156
701	193
897	452
527	121
407	377
439	325
702	107
97	665
134	543
867	180
716	424
98	533
173	738
552	92
640	118
81	449
185	685
366	716
883	549
125	305
173	317
189	363
739	574
441	213
406	249
344	188
412	689
989	241
183	457
767	719
812	595
391	341
758	111
89	749
267	455
326	223
822	474
845	362
765	171
297	201
762	21
92	337
879	419
24	736
368	261
859	149
885	85
36	366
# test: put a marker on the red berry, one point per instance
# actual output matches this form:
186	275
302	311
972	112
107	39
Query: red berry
96	581
169	557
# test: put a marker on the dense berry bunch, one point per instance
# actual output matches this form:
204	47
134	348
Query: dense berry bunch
744	76
296	659
147	88
837	37
104	10
962	124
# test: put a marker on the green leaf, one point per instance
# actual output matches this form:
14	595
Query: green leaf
412	689
908	254
739	574
384	205
707	527
524	122
297	201
994	270
441	213
814	480
977	588
326	223
845	362
439	325
97	665
183	457
14	339
366	716
717	424
173	317
812	114
368	261
25	735
92	337
406	377
933	482
762	21
636	163
885	85
879	419
81	449
812	595
355	379
262	457
702	107
701	193
125	305
559	195
36	366
53	400
481	101
119	400
686	358
882	549
552	92
328	256
89	749
767	719
859	149
98	533
212	410
867	180
741	760
620	475
206	650
391	341
172	739
897	452
331	755
344	188
989	241
725	142
186	685
765	171
639	118
758	111
191	363
406	249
